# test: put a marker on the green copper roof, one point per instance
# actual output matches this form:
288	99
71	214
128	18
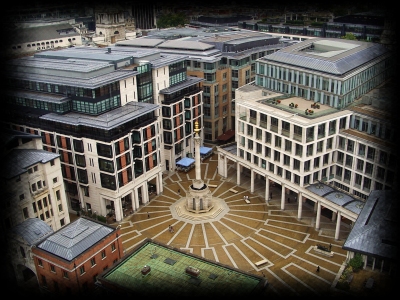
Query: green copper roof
168	275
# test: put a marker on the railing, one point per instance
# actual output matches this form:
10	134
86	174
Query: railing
274	128
285	132
263	124
297	137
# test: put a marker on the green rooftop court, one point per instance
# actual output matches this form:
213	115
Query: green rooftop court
155	269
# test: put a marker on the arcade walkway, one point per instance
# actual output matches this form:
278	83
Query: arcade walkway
247	234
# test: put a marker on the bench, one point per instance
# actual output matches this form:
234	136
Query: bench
247	201
261	262
233	191
330	253
213	185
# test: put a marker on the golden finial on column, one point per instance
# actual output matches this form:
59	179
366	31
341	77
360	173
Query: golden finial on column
196	127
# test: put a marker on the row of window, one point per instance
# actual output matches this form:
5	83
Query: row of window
82	271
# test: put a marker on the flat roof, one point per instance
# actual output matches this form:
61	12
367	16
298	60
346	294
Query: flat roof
167	275
328	55
107	120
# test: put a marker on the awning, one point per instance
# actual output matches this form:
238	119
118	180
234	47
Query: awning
205	150
227	135
185	162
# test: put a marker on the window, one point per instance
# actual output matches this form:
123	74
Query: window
52	268
40	262
44	281
93	261
113	247
58	195
103	254
60	207
82	270
54	179
65	274
25	211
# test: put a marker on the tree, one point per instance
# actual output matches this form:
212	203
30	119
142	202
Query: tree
349	36
171	20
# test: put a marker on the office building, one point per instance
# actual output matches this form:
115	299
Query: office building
225	58
317	123
117	118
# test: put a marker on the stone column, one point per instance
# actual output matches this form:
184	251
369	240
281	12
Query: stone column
318	220
334	215
266	188
300	205
136	200
338	220
239	167
283	195
251	181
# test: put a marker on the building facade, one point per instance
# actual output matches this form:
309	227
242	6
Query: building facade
225	58
103	112
33	182
69	260
296	141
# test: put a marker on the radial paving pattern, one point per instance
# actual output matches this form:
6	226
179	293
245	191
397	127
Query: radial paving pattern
242	235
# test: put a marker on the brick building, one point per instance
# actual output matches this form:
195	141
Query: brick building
69	261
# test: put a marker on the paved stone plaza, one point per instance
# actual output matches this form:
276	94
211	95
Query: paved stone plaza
256	237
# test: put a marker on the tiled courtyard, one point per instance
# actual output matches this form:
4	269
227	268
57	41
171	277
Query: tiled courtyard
250	233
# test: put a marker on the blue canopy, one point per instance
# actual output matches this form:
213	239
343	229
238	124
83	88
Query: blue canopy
205	150
185	162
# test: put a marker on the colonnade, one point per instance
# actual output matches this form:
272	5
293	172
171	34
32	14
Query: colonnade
302	193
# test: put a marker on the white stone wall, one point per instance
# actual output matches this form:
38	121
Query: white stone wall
128	90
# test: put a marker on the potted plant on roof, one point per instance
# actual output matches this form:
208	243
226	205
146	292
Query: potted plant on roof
296	105
291	105
278	101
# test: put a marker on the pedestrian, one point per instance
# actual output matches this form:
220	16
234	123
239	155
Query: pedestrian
330	247
172	229
295	198
148	215
169	228
318	269
179	191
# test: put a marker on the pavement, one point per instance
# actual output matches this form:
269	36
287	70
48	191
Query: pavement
257	237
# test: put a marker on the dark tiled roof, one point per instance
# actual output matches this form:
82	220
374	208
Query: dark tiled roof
75	238
376	231
19	160
32	230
